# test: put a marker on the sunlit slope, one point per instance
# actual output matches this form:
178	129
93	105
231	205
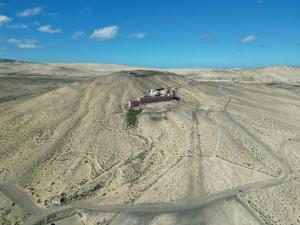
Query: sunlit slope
75	140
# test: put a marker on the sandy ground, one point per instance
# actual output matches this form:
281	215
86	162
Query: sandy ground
64	132
225	212
285	207
10	213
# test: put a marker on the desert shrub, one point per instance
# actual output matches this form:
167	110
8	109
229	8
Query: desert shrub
132	117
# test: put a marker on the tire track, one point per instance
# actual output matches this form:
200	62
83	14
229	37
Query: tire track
51	148
54	214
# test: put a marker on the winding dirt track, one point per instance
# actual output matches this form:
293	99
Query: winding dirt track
40	216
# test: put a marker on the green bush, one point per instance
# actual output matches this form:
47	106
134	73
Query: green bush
132	117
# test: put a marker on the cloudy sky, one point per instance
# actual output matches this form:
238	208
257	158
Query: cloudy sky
164	33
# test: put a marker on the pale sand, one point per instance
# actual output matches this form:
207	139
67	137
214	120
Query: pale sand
63	130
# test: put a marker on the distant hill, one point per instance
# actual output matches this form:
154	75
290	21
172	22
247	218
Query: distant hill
7	60
13	61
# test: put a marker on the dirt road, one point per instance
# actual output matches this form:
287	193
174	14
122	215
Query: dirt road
40	215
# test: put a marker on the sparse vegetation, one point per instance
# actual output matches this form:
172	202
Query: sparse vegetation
164	151
132	117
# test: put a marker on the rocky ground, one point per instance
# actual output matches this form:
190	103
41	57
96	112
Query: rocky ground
64	133
11	213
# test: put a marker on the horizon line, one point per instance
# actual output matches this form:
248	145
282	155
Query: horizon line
152	66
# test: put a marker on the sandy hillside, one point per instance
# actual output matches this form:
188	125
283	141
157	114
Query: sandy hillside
64	133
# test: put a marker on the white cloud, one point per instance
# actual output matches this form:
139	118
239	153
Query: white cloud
30	12
86	11
78	34
24	44
138	35
48	29
4	19
51	14
18	26
12	40
249	38
105	33
209	38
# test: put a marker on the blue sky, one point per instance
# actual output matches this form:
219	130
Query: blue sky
162	33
